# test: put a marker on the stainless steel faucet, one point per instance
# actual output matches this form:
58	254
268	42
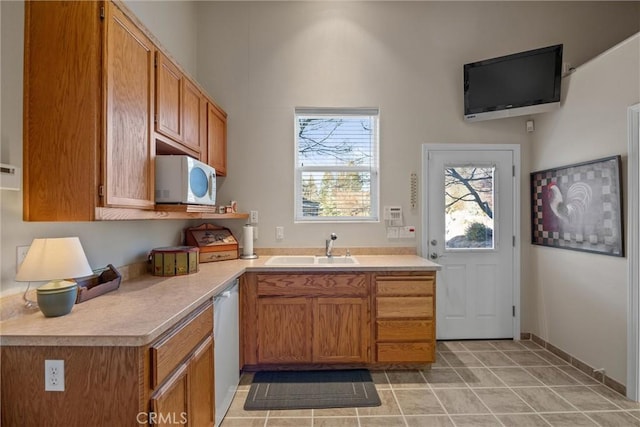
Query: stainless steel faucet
329	244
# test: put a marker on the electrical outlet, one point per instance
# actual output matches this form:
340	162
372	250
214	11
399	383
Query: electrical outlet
279	232
54	375
253	217
21	254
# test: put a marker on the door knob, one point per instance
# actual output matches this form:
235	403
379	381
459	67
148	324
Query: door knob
434	242
433	255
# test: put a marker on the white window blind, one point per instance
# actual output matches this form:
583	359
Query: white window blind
336	164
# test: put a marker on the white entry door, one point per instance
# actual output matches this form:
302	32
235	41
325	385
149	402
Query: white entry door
471	230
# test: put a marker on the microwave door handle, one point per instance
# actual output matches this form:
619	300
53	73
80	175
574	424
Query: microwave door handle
211	178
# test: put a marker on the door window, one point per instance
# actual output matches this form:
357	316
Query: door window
469	207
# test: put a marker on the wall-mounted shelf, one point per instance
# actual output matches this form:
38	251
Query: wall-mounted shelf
165	212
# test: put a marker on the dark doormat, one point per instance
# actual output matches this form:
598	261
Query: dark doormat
274	390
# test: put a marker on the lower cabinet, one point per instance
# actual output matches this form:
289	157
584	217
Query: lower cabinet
182	373
405	318
186	397
306	318
169	382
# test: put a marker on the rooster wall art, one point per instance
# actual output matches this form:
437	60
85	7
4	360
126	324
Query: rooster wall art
579	207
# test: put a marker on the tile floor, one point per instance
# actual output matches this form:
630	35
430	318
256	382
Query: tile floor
473	383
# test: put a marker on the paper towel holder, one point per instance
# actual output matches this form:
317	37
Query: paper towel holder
252	254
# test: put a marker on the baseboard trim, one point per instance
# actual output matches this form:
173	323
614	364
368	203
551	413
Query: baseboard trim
577	363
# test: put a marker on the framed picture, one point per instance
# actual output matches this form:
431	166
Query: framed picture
579	207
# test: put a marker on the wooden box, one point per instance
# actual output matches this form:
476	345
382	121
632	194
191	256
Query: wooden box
102	281
215	243
174	260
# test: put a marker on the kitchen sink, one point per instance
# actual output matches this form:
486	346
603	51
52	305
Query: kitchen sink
336	260
310	260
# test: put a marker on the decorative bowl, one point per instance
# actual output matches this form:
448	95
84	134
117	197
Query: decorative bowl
57	298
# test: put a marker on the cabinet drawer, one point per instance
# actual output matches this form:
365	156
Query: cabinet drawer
309	285
413	285
404	330
171	350
401	307
406	352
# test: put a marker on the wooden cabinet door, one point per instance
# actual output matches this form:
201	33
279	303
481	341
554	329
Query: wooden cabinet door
193	104
284	332
201	383
169	95
129	82
217	139
62	110
170	403
341	330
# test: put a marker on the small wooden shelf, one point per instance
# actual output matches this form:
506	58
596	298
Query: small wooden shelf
165	212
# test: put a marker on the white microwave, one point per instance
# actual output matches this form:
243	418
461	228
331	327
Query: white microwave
183	179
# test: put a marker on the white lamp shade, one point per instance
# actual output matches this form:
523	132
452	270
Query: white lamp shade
53	259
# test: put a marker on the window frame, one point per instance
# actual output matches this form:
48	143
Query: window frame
373	168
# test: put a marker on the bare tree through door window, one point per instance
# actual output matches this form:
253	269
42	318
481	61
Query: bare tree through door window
469	207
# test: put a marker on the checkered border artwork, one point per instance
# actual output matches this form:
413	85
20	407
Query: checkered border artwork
598	226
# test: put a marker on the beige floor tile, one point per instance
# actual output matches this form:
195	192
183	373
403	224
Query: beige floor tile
418	402
635	414
479	377
245	381
380	380
530	345
440	362
527	358
502	400
444	378
569	420
460	401
381	422
406	379
542	399
299	413
428	421
515	377
508	345
475	421
462	359
388	405
522	420
551	358
243	422
478	345
335	422
613	419
550	375
616	398
289	422
584	398
580	376
494	358
237	407
450	346
335	412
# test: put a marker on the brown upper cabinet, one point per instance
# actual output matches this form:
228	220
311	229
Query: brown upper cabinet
179	106
92	94
217	138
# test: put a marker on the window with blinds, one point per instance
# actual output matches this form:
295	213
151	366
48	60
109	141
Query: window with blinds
336	164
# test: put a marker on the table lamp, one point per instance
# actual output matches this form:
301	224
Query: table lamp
55	260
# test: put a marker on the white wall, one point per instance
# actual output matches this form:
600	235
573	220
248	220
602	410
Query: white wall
259	60
120	242
578	301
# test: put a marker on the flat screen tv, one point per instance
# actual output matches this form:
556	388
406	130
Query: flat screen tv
513	85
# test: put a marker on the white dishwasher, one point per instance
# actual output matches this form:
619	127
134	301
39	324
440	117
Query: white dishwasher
226	335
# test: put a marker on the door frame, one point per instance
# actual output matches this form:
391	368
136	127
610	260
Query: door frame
515	149
633	207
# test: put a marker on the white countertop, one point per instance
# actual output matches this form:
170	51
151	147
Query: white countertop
144	308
